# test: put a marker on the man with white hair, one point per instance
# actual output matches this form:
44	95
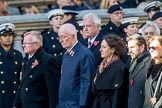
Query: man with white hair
91	29
77	70
149	30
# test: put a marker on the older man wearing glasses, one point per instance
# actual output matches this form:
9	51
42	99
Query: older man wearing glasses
77	70
40	76
115	13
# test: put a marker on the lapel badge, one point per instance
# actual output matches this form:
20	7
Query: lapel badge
157	4
71	53
7	28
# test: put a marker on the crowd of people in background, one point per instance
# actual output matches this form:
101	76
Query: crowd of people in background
6	9
115	65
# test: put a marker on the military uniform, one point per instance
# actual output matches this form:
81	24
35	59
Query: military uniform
51	42
52	45
10	67
110	27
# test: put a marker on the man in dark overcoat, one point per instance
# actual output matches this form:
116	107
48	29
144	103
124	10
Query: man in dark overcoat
10	66
140	61
91	29
40	76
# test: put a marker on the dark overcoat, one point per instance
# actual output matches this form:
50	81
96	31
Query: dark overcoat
137	78
77	71
111	86
40	82
95	47
10	67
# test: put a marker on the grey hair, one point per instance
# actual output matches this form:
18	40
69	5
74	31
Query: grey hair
152	24
95	18
36	37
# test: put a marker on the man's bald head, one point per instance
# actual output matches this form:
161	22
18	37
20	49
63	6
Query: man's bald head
68	28
67	35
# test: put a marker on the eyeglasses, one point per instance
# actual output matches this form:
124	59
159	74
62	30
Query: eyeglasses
153	47
118	13
28	43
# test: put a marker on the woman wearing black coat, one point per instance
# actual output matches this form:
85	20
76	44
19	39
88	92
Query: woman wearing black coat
110	84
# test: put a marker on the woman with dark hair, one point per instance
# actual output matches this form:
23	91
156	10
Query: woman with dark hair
110	84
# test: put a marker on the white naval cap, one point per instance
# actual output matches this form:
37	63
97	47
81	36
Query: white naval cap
7	28
55	12
153	6
130	20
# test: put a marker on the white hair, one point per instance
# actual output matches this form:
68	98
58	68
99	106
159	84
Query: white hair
36	37
95	18
152	24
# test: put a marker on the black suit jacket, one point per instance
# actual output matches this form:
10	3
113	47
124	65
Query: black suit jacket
40	82
95	49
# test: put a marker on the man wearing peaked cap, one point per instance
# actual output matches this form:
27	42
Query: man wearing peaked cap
152	7
7	28
130	25
70	10
157	18
51	42
69	16
10	66
114	8
115	13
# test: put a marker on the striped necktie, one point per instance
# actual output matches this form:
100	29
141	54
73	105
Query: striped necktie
89	44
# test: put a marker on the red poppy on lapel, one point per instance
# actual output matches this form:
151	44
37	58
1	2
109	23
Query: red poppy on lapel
34	64
95	43
131	82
